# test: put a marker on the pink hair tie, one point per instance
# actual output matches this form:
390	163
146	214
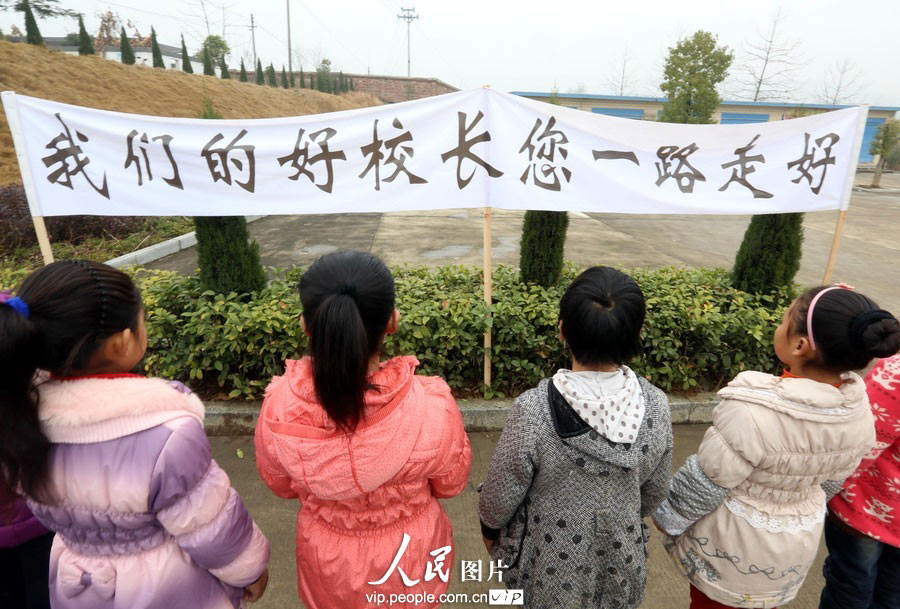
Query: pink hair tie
809	312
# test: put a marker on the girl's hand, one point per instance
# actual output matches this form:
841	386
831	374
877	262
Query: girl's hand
254	591
489	544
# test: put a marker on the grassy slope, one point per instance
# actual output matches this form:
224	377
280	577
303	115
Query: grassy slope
100	83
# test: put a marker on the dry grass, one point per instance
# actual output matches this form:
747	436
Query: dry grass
100	83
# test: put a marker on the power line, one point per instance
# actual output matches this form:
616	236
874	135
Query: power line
332	34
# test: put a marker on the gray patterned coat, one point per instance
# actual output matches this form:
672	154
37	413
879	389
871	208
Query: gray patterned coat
569	503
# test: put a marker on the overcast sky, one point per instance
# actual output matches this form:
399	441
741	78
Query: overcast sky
524	45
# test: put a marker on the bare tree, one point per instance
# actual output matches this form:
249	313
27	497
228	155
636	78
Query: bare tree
621	80
768	69
207	13
108	32
842	84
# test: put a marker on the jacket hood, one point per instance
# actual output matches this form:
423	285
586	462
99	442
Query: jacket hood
611	403
590	448
332	463
802	398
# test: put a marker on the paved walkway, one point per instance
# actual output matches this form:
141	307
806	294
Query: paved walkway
869	257
277	517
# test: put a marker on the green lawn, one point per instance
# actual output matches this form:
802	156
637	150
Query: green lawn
154	230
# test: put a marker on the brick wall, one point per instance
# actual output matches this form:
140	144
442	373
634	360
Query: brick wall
389	89
392	89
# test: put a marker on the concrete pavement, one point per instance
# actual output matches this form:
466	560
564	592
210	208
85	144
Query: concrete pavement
869	256
667	589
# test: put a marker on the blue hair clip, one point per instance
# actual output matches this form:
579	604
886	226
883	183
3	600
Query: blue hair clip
18	305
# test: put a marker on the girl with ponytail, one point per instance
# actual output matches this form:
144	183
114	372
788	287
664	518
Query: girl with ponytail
746	513
116	464
24	542
366	446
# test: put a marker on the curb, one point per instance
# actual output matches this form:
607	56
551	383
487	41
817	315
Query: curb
239	418
160	250
877	191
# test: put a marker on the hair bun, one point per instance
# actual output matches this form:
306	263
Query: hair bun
881	338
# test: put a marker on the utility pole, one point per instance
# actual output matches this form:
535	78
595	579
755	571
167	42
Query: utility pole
253	36
288	4
408	15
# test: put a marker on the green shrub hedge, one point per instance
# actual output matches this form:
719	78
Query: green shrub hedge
700	331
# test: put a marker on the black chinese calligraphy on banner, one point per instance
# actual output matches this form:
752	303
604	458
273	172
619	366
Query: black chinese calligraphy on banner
474	148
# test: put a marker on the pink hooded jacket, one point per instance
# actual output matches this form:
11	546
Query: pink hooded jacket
362	494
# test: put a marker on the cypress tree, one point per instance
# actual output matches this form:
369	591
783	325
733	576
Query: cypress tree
302	79
270	76
85	44
260	79
284	79
154	48
243	77
769	255
208	68
227	258
185	58
223	68
543	241
335	87
343	83
541	251
352	86
125	49
32	33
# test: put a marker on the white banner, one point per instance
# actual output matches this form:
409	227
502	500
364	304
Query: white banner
478	148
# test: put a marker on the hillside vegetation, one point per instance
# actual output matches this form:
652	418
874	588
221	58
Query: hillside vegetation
99	83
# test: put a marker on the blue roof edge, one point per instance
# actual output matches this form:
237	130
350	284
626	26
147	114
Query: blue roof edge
724	103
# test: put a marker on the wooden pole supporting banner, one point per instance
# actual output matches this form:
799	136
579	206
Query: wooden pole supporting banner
835	244
487	293
848	190
43	238
37	218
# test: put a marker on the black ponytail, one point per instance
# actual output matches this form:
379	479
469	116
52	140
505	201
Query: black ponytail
848	328
72	307
348	299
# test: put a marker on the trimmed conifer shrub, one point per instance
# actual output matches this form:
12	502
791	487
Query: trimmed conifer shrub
542	244
769	255
260	79
243	76
224	72
284	79
125	49
208	69
85	44
32	33
185	58
227	258
154	49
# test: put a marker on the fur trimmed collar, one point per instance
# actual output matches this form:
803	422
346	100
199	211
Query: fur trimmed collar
88	410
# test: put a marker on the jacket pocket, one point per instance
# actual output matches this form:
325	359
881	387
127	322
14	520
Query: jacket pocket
509	545
620	551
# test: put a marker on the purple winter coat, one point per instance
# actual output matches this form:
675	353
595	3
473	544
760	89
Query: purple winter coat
21	527
145	518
